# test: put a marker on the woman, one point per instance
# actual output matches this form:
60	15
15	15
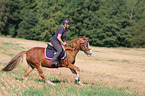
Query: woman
59	39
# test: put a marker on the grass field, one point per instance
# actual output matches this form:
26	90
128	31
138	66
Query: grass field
109	72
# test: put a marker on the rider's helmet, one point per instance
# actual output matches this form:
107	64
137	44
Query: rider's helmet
67	21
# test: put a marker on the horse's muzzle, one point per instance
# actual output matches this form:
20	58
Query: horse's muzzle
89	53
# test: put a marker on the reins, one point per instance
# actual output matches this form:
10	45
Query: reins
66	60
71	48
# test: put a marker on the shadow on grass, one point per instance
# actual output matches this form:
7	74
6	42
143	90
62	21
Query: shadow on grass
54	81
58	81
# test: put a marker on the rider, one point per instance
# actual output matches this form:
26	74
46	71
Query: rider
59	39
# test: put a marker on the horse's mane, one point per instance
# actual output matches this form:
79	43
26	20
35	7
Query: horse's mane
75	43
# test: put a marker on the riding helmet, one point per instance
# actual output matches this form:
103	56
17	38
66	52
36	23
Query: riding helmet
67	21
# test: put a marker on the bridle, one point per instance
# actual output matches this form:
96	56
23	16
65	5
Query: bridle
88	53
84	47
86	50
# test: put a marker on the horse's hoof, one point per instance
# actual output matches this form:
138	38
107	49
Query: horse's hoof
50	83
80	83
53	84
26	78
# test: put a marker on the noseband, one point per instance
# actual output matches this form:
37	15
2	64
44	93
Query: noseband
85	46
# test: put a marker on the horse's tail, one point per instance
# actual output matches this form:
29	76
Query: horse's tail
14	61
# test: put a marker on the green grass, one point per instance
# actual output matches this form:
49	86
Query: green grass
75	90
7	43
97	51
112	60
140	50
8	47
61	88
98	59
124	49
8	54
127	61
22	47
36	86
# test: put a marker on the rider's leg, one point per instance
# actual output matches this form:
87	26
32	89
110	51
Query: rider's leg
58	48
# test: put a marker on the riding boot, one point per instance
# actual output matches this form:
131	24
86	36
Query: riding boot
54	61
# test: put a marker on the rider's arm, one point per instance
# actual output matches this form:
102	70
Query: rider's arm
59	38
64	41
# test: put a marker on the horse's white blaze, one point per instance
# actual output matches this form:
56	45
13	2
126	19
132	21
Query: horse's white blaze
90	48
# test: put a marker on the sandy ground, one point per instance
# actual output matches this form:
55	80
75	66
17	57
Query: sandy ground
115	67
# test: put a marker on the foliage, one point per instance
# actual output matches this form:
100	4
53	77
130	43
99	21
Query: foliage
110	23
4	15
138	38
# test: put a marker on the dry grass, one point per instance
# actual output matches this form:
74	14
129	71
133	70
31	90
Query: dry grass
115	67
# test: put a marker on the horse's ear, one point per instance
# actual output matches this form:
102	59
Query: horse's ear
82	40
87	38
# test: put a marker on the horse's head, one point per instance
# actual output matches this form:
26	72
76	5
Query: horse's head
84	46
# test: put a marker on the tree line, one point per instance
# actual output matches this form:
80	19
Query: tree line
110	23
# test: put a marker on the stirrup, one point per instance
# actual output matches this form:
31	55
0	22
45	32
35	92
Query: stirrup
54	64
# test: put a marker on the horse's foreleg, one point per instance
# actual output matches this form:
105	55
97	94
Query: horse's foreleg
39	69
71	66
77	76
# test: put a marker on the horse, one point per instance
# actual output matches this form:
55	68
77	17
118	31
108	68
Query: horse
35	59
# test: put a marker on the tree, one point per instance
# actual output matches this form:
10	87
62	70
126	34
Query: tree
26	27
110	23
15	7
4	16
139	34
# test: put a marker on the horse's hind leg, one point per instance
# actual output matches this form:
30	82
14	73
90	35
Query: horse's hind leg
39	69
77	76
29	69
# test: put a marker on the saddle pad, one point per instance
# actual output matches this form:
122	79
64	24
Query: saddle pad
49	53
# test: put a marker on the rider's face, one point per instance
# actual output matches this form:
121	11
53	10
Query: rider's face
67	25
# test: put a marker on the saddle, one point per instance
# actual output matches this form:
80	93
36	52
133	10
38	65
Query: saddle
50	51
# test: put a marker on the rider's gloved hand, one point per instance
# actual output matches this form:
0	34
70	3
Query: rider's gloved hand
64	43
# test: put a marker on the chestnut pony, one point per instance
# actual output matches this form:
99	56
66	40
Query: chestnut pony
35	58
